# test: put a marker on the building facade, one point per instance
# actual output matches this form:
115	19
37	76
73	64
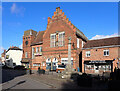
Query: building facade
101	55
28	38
49	48
13	56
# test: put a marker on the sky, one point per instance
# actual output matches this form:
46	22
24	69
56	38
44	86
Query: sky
95	19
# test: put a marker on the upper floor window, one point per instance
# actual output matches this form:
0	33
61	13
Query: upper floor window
52	40
77	43
33	49
26	54
41	49
106	52
61	39
37	48
87	53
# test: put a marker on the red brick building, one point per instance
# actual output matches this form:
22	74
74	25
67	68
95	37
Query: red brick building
49	48
101	55
28	38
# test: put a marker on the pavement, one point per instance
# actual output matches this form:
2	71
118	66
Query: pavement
24	82
13	79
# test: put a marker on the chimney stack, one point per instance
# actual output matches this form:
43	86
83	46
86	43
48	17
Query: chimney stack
57	9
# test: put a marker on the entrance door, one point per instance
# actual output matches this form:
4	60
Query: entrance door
97	69
54	66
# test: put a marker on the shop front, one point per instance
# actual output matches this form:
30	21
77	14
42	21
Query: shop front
98	66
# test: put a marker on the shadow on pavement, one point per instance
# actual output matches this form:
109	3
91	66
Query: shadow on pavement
85	82
21	82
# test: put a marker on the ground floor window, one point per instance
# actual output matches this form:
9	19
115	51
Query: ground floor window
89	67
64	61
105	67
98	67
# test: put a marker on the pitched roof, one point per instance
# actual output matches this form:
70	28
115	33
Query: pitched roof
103	42
39	38
13	48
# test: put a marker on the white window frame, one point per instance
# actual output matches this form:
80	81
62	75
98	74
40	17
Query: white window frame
106	52
40	48
87	53
78	43
53	40
63	33
33	49
37	49
26	55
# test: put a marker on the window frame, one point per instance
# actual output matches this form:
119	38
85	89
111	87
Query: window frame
26	54
54	40
62	41
78	43
106	50
40	49
37	49
88	52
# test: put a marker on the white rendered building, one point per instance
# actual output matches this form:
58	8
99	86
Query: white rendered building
13	56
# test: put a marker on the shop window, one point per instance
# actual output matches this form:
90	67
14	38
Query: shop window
87	53
106	52
89	67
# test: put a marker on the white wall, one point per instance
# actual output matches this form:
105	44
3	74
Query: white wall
15	55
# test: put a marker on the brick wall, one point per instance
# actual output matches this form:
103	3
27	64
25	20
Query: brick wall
98	54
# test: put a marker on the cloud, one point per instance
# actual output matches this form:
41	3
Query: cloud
104	36
21	46
17	10
1	48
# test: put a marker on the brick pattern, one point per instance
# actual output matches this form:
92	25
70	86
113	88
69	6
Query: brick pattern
98	54
59	23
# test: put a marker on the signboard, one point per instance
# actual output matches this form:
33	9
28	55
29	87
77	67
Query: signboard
100	61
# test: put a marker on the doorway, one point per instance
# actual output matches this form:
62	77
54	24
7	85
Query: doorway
80	61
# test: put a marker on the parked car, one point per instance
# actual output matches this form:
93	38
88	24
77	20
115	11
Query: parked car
60	68
19	67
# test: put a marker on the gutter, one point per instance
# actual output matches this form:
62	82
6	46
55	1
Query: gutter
102	47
